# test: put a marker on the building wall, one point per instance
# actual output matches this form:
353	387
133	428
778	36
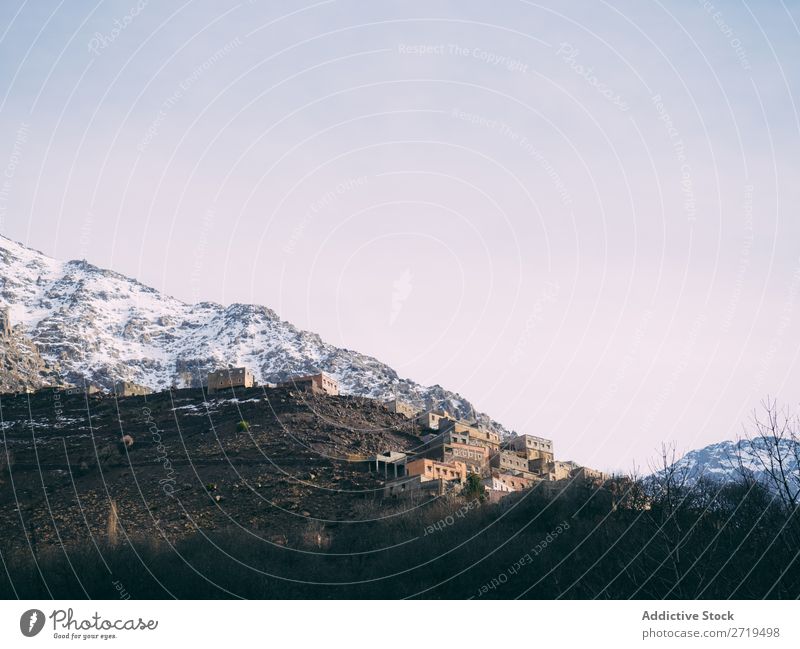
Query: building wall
554	470
500	481
534	454
509	461
435	419
585	473
315	383
90	389
401	408
129	389
532	443
432	470
410	487
476	458
230	378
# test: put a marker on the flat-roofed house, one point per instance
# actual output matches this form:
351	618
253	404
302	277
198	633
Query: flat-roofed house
434	470
90	388
392	464
592	475
5	322
476	458
414	487
500	481
533	447
319	383
553	470
509	462
401	408
433	419
483	437
232	377
130	389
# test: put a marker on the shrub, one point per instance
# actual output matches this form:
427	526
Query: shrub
473	487
243	427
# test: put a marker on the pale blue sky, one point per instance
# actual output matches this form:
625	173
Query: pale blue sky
488	196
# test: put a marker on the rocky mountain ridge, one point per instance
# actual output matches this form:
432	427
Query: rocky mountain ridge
99	326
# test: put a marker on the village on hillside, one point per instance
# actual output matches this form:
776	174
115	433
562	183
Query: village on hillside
452	454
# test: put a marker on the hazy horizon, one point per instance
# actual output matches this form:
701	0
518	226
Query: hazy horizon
580	218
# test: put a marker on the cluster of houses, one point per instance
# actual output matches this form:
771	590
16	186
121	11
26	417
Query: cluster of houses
453	449
450	449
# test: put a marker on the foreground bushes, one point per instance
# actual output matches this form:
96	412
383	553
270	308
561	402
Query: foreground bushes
704	541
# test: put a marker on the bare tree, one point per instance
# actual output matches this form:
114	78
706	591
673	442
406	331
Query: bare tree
773	446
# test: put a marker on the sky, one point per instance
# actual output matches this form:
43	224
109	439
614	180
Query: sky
581	216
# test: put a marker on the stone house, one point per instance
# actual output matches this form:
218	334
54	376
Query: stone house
233	377
130	389
552	470
500	481
533	447
479	436
433	419
433	470
392	464
415	487
89	389
476	458
401	408
315	383
591	475
509	462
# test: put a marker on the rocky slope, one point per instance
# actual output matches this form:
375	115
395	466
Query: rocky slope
100	326
190	463
21	366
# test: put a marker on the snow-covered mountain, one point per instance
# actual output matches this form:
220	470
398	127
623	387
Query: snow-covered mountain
99	326
721	461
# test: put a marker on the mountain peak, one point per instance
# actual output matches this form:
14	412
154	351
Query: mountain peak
100	326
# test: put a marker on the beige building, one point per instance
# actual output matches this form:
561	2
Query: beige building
552	470
500	481
402	408
434	470
483	437
89	389
533	447
449	446
509	462
433	419
315	383
415	487
233	377
130	389
592	475
476	458
392	464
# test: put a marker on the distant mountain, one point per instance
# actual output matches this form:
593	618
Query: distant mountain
99	326
720	461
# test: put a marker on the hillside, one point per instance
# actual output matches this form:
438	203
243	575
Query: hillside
191	466
100	326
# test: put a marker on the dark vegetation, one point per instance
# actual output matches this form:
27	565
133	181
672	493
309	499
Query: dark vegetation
669	536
